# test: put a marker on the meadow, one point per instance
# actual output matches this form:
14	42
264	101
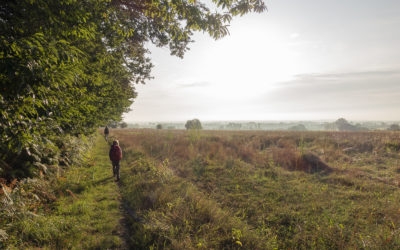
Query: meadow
203	189
260	190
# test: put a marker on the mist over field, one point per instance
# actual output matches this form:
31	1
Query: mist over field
338	125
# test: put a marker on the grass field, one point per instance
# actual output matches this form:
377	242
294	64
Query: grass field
261	190
217	190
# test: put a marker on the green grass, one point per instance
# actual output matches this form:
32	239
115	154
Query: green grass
93	203
221	190
86	214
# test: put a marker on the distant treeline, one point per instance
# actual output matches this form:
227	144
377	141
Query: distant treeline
338	125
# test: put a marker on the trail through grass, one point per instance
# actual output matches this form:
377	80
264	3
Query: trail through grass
86	215
93	203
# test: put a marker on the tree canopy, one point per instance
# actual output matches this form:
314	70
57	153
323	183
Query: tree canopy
69	66
193	124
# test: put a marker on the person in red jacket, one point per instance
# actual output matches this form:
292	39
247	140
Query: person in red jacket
115	157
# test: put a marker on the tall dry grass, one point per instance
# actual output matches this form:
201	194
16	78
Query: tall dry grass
302	190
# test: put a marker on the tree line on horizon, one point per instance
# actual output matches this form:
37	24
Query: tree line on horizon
340	124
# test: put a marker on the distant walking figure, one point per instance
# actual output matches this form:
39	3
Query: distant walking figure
115	157
106	132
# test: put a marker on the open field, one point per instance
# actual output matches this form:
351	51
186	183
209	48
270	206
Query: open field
261	190
215	190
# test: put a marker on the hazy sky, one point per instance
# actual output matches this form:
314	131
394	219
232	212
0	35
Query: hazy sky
300	60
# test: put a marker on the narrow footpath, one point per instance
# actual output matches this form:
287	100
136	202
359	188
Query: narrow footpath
92	204
101	150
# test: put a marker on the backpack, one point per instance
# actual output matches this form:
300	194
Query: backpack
115	153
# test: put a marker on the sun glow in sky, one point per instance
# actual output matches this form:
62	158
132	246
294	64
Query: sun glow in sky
301	60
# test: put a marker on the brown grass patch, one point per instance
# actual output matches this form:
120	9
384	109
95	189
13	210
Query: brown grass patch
292	160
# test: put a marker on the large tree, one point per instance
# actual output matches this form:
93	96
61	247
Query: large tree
193	124
68	66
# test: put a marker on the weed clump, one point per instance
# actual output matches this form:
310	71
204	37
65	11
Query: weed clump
311	163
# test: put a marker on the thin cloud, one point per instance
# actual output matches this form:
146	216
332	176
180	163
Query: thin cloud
294	35
350	92
379	78
194	85
342	75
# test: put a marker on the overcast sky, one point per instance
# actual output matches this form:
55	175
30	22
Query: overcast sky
300	60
